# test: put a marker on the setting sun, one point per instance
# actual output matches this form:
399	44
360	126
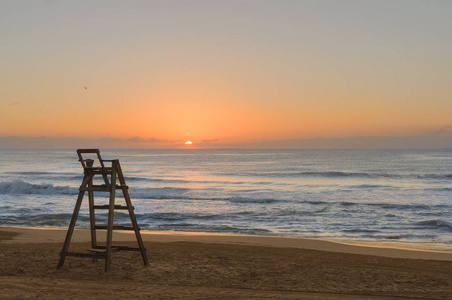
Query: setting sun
188	143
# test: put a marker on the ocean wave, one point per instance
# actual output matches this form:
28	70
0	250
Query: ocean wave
236	199
441	189
435	176
38	220
253	200
310	174
191	181
173	216
159	193
317	202
47	175
385	206
371	186
18	186
40	173
402	207
341	174
360	230
436	224
210	228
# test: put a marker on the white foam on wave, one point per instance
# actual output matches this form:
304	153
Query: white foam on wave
17	187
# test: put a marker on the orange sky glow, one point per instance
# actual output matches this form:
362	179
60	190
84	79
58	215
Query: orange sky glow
229	73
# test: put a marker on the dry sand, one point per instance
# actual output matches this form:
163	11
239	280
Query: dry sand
204	266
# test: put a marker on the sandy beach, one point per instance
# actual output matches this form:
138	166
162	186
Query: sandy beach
206	266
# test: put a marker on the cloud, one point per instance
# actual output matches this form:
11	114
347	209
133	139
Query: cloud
158	141
17	142
370	142
425	141
445	130
137	139
210	141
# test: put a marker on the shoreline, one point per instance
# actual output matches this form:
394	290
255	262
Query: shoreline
383	249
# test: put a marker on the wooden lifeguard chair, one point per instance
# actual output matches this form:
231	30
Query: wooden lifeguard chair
109	176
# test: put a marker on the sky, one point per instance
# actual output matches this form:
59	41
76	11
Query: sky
226	74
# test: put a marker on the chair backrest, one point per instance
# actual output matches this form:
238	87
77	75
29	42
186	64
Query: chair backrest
88	157
91	160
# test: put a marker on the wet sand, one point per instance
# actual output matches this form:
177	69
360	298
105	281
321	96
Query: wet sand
205	266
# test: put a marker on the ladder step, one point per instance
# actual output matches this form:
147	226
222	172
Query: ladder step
130	249
108	207
115	227
99	170
91	255
95	188
103	250
102	188
119	248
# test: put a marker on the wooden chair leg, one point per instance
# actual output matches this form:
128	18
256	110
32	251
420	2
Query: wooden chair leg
132	216
111	214
70	230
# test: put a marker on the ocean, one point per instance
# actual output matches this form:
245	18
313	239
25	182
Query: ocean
402	196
